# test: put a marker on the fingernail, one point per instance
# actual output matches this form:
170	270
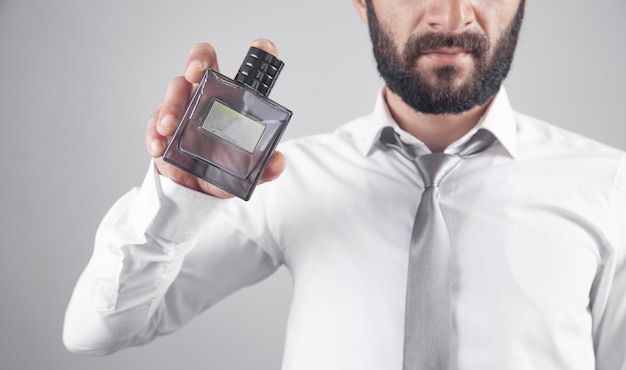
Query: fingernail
156	145
168	121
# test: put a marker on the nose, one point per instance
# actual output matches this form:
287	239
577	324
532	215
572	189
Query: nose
450	16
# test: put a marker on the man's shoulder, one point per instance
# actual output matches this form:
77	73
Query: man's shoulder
350	137
534	134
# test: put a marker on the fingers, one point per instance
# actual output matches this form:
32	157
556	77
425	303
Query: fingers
201	57
176	97
274	168
164	120
266	45
155	143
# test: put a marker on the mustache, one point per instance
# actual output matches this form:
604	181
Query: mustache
477	44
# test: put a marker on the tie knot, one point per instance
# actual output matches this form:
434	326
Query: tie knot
435	167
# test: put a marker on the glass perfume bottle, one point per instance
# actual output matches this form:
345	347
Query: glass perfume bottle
230	128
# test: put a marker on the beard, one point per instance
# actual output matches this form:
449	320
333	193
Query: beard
445	95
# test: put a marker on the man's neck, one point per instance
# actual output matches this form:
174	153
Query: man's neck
437	131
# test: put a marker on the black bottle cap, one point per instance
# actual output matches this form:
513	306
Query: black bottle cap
259	70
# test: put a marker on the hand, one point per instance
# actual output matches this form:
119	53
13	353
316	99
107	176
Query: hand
163	122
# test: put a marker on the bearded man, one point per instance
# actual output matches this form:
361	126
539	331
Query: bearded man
443	231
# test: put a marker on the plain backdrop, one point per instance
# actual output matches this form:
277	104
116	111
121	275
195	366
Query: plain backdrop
79	79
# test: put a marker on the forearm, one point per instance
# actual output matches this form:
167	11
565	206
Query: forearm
117	295
139	249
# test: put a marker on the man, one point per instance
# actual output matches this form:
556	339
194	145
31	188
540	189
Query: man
536	222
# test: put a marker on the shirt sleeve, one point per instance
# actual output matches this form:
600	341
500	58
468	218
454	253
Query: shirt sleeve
162	254
609	295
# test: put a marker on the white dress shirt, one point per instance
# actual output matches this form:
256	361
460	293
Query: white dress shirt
538	235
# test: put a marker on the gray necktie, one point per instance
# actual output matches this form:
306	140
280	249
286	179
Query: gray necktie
428	335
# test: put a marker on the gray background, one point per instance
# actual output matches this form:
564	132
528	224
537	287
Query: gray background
78	80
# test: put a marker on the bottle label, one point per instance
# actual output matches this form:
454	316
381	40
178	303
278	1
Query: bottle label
233	127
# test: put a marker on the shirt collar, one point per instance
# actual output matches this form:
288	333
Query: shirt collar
499	119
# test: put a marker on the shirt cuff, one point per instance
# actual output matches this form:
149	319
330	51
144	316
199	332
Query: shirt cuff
174	212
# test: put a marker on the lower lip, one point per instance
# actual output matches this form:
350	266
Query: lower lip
447	58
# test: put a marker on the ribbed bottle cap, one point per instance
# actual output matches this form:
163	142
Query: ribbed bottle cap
259	70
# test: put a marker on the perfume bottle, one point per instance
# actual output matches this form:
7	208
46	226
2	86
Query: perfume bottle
230	128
